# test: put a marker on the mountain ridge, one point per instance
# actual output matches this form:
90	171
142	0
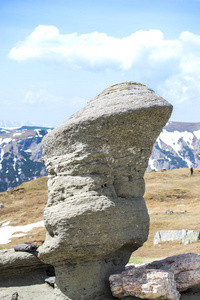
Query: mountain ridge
178	146
180	126
21	155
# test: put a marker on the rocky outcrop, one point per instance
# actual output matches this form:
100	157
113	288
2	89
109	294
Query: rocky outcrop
162	279
96	215
184	236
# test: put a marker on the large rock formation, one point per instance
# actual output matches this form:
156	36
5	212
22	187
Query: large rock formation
96	215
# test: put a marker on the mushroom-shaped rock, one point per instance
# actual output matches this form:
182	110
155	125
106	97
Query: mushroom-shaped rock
96	215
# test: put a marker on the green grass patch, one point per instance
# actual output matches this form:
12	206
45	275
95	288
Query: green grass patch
141	260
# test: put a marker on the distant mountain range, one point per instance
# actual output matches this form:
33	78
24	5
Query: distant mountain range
21	155
178	146
12	124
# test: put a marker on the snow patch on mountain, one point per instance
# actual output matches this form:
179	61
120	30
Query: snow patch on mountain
8	232
197	134
5	141
17	133
173	139
178	146
21	155
151	165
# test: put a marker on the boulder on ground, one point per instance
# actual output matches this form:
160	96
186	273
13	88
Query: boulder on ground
96	215
162	279
144	284
186	269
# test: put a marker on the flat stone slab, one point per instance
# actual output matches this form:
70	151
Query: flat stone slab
11	260
183	236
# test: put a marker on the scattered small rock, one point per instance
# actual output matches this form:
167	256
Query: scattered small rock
181	211
8	295
50	280
1	206
169	212
27	247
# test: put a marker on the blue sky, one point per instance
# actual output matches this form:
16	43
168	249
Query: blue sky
57	55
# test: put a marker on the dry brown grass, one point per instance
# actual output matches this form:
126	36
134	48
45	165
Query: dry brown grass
174	189
24	205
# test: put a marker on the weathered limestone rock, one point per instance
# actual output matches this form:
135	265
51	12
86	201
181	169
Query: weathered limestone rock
162	279
183	236
96	215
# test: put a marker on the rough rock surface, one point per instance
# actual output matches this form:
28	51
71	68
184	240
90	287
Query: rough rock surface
96	215
11	261
162	279
144	284
184	236
186	269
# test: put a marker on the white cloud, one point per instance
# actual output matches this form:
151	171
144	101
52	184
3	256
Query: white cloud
96	49
182	85
175	64
40	96
44	97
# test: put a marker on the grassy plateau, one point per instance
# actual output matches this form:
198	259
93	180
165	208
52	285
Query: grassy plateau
173	190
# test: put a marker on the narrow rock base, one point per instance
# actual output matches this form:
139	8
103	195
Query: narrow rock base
87	280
